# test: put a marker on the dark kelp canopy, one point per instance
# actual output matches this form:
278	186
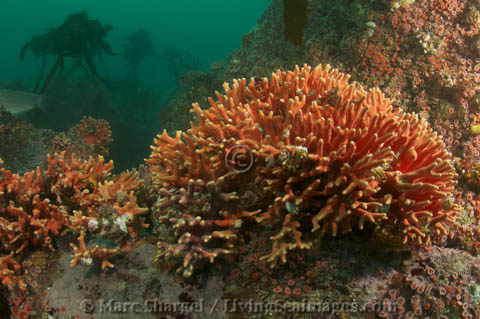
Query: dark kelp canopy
77	37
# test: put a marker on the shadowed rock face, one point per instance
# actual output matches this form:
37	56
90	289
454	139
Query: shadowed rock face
4	308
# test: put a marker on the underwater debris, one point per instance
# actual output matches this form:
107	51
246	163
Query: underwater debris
295	19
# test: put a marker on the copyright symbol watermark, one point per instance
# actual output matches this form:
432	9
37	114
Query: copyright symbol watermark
87	306
239	158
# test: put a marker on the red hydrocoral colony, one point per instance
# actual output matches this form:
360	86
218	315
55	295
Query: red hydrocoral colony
327	154
37	206
94	132
27	217
9	268
85	185
85	256
205	220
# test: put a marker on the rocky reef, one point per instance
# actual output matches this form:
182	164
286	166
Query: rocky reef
295	192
